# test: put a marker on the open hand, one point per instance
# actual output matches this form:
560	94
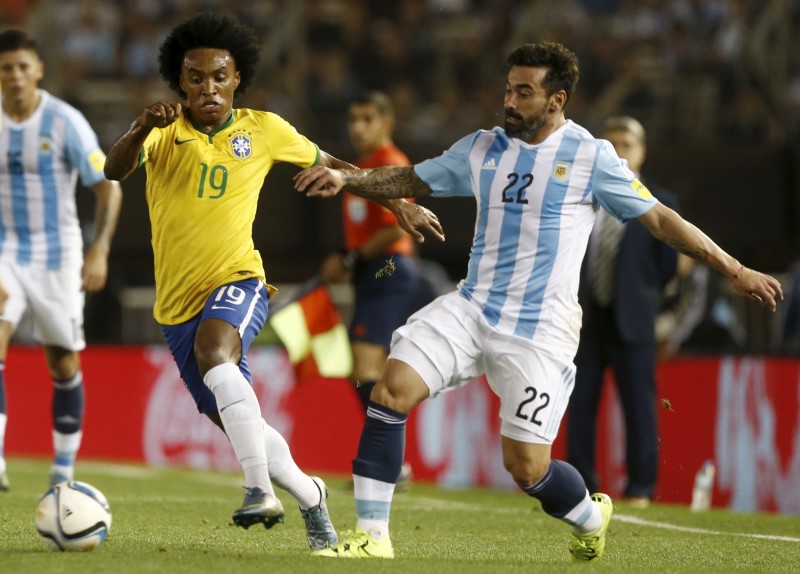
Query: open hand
763	289
319	181
414	219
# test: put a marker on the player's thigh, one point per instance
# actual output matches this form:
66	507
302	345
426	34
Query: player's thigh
368	360
56	300
240	311
401	387
14	307
180	340
242	304
442	344
533	386
16	301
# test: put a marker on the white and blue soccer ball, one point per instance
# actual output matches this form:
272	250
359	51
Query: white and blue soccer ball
73	516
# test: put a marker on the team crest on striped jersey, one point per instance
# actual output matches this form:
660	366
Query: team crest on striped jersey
561	171
45	146
240	144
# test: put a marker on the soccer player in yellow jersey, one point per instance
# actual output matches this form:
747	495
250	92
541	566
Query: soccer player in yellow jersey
206	163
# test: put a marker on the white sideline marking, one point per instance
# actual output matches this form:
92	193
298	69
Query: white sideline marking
143	473
667	526
435	504
117	469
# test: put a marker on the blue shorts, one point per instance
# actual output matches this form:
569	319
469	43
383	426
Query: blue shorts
243	304
382	304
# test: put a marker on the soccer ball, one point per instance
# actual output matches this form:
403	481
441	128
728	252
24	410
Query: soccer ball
73	516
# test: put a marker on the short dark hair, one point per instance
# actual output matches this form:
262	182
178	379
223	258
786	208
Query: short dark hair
12	40
210	30
378	99
562	64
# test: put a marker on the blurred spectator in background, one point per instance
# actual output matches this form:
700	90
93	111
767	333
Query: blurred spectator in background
790	332
683	306
338	47
623	276
47	145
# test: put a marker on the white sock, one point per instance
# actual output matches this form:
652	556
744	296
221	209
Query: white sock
241	416
373	504
67	443
285	472
595	518
378	529
66	448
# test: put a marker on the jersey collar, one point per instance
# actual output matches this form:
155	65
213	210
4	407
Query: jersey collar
218	129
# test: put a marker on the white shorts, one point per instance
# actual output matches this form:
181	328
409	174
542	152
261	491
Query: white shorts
55	300
449	344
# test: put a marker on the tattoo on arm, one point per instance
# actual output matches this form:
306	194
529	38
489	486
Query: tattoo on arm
385	183
699	254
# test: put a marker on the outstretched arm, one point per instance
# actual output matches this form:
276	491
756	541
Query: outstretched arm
123	157
672	229
386	186
377	184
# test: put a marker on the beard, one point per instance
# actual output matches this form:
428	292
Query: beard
526	129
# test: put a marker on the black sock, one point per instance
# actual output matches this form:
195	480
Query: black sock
364	390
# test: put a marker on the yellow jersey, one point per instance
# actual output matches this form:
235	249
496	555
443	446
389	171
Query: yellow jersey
202	192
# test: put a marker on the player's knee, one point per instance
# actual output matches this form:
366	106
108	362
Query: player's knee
400	397
527	472
216	344
62	363
395	398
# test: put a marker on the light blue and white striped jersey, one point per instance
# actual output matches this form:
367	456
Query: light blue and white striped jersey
40	160
536	208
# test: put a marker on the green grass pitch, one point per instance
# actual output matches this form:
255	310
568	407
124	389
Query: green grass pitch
175	521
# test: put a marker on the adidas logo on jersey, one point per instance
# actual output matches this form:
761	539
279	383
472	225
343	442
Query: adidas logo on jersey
489	164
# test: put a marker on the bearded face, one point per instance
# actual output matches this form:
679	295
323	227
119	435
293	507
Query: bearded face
526	103
524	128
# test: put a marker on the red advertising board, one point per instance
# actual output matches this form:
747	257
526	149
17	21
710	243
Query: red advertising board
741	412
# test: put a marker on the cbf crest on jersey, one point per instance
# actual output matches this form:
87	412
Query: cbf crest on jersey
240	144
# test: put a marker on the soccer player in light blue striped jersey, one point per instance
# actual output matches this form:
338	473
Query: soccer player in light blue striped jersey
45	145
538	183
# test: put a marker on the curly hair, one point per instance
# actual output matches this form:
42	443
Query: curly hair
209	30
561	62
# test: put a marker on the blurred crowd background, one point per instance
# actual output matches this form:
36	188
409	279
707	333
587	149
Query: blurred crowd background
716	83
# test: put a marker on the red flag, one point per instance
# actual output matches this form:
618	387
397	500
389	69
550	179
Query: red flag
314	336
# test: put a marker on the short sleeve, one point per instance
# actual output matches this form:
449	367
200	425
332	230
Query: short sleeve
83	150
449	174
616	188
288	145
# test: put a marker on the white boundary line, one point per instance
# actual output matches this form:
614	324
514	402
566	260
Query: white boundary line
435	504
641	522
139	472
